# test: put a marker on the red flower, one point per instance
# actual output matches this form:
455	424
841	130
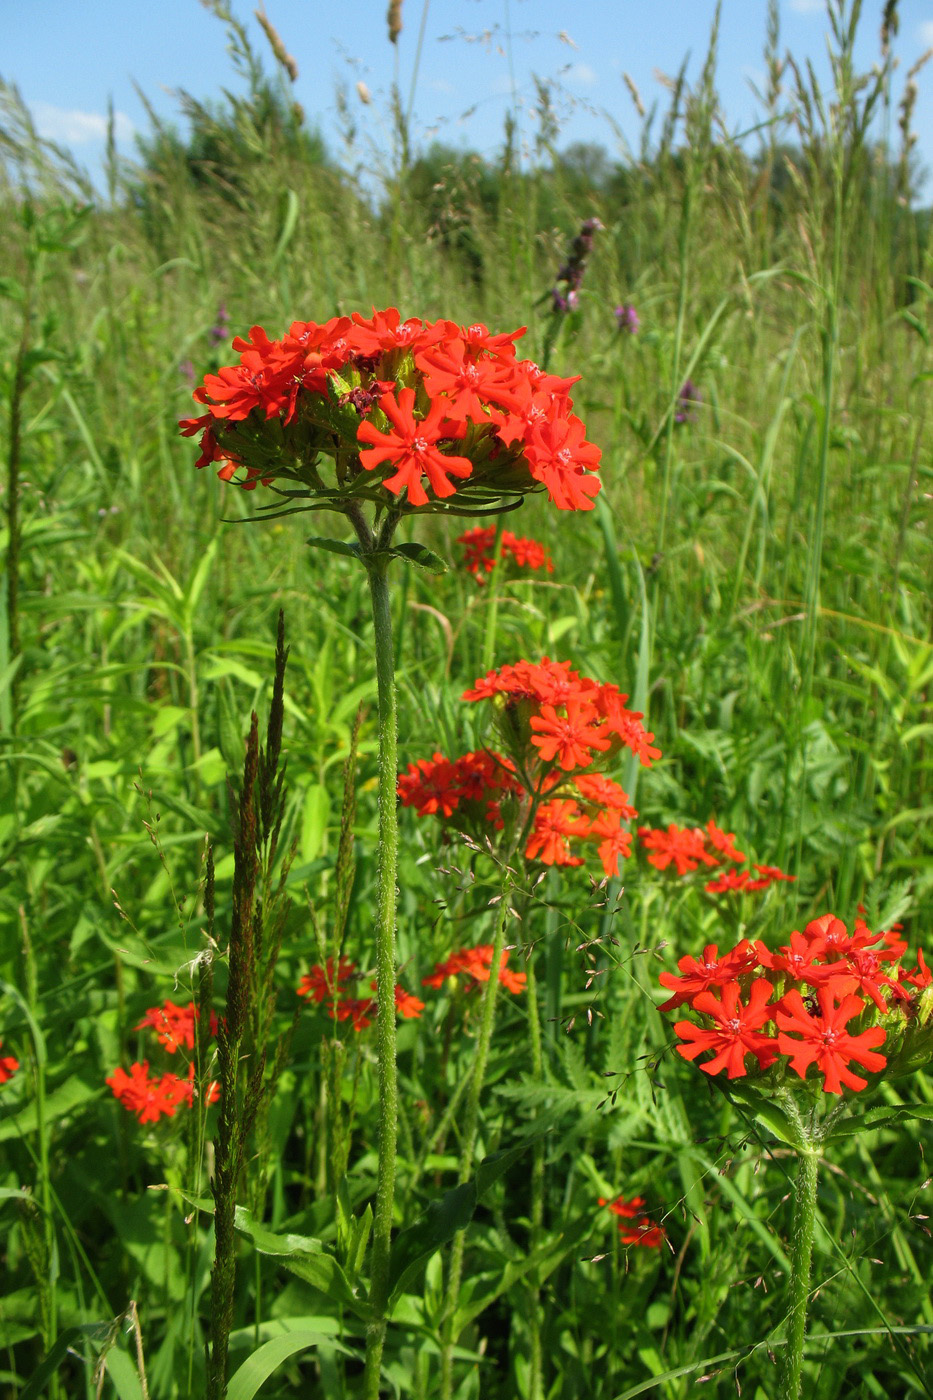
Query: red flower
430	786
407	1004
561	458
685	848
921	975
800	958
724	842
729	880
644	1232
476	963
175	1025
321	983
8	1067
478	545
769	875
825	1041
737	1031
554	822
411	448
147	1098
569	740
698	975
615	840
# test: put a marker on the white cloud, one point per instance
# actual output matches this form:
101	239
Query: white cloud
582	74
72	127
926	32
808	7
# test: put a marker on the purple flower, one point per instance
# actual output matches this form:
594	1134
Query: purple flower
627	318
186	370
689	396
218	332
562	303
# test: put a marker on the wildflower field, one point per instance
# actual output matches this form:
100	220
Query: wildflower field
465	712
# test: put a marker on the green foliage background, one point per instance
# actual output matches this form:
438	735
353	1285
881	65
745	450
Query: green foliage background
759	580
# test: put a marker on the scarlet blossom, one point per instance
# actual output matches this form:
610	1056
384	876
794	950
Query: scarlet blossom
569	739
800	959
476	963
614	840
729	880
560	457
407	1004
478	547
921	976
635	1227
8	1066
684	848
411	448
291	403
175	1025
769	875
724	842
151	1098
329	981
710	970
825	1041
737	1031
554	823
861	971
430	786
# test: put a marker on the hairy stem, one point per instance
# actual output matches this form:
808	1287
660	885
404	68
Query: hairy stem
377	565
801	1253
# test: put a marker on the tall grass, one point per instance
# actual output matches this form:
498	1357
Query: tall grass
758	578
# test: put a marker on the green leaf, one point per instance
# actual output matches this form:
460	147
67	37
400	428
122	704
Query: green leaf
418	554
300	1254
66	1098
444	1217
882	1118
124	1375
764	1109
71	1337
257	1368
334	546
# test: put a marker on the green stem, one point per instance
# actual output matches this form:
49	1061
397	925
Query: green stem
377	565
470	1128
535	1358
492	606
801	1253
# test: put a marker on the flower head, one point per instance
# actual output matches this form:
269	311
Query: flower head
427	410
627	319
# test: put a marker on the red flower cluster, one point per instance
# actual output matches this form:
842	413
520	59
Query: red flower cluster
557	727
149	1098
327	985
798	1002
687	848
476	963
175	1025
479	545
8	1066
635	1228
414	402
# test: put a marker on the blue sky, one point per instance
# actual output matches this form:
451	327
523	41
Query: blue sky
68	57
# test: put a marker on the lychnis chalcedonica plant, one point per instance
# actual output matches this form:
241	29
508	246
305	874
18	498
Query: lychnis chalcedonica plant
378	419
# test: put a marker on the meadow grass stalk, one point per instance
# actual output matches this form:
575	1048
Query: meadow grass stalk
468	1140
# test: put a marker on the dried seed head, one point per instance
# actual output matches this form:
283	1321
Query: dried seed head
394	20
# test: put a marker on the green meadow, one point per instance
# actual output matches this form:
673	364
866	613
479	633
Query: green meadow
756	576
